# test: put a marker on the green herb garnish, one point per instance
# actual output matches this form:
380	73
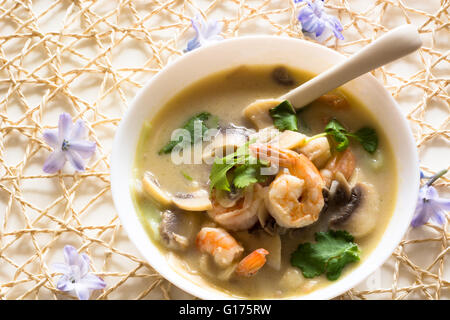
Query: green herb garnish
247	174
188	177
366	136
284	116
338	132
332	251
246	170
189	126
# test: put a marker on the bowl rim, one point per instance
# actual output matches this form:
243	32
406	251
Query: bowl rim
194	289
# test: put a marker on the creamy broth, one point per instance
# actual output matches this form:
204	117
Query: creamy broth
224	95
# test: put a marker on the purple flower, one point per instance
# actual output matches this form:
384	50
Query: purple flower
206	32
422	175
430	205
68	144
76	278
316	23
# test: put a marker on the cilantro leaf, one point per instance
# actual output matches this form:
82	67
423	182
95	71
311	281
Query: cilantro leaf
189	126
342	140
332	251
247	174
368	138
169	146
334	125
338	132
247	170
218	176
284	116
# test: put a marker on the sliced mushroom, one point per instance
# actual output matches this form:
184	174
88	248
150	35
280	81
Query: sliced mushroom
272	228
355	177
359	215
349	208
167	230
289	140
196	201
317	150
326	200
340	191
152	187
333	188
258	112
281	76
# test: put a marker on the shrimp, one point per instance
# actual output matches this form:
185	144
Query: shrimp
220	244
343	162
295	197
242	215
317	150
335	101
252	263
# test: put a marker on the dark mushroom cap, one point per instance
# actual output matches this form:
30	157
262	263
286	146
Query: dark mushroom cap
345	211
170	222
281	76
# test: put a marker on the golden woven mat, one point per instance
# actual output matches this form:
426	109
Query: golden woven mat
89	58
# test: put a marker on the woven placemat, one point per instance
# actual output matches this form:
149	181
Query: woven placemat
89	58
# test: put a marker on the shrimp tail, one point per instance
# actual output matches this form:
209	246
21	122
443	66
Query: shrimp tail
252	263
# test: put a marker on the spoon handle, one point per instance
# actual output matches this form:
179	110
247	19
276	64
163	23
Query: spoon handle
391	46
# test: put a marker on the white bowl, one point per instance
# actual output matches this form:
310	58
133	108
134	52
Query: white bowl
259	50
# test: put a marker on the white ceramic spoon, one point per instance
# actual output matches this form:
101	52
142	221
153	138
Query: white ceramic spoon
391	46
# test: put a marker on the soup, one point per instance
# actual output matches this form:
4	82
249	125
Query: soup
257	198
